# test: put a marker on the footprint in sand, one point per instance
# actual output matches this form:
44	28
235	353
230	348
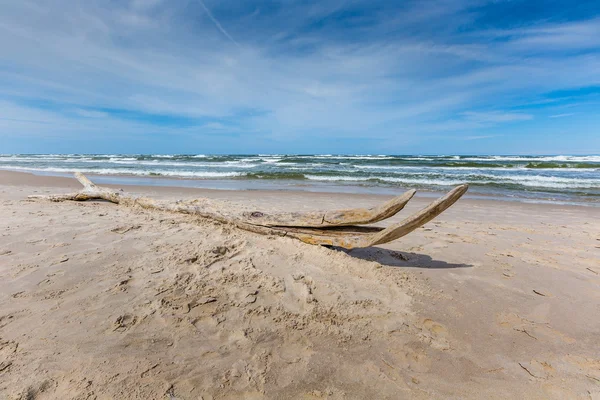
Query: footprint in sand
125	228
8	353
124	322
45	388
13	316
537	330
299	292
434	327
435	334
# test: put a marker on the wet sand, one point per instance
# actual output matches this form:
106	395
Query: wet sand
490	300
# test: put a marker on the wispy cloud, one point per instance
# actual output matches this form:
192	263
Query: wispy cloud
561	115
299	74
91	114
496	116
479	137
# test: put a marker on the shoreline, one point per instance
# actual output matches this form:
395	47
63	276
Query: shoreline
267	186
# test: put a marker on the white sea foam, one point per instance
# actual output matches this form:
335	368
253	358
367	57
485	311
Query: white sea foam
123	159
400	168
417	181
140	172
439	182
271	160
200	174
336	178
339	157
545	181
535	158
182	164
524	180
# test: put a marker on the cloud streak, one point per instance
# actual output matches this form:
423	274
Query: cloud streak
217	23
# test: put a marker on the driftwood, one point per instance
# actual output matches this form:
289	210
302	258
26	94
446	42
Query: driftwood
333	228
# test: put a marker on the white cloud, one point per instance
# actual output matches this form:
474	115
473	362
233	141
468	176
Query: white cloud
91	113
144	4
479	137
496	116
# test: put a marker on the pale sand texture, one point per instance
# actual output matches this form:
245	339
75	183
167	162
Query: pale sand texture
490	300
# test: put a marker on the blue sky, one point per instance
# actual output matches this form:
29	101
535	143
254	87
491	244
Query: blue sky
289	76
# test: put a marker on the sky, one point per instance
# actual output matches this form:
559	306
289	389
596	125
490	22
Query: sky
291	76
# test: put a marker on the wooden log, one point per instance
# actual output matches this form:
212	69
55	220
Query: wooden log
333	228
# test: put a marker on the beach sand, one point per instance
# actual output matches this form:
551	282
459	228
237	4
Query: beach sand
490	300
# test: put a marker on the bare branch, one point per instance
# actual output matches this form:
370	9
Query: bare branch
334	228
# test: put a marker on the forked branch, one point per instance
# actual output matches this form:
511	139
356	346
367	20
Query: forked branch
334	228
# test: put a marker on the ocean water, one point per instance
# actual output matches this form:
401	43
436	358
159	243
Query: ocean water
557	178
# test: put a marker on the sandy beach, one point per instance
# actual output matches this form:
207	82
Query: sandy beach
493	299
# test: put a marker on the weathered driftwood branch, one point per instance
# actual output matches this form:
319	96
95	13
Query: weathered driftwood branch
334	228
323	219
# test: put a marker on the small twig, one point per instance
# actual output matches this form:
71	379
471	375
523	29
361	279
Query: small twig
534	322
529	372
525	332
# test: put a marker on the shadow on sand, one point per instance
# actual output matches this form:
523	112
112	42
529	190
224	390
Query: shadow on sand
393	258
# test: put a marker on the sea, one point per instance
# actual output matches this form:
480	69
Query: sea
563	179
